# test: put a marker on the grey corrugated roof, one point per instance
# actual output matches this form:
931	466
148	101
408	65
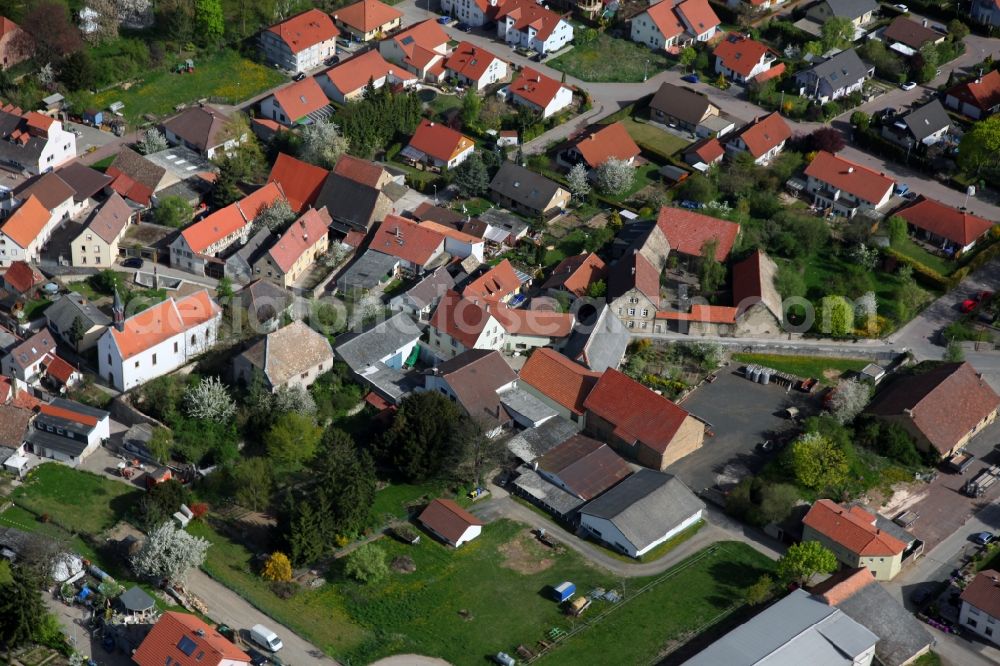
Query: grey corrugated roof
520	402
551	495
524	186
136	600
797	630
366	349
645	506
367	271
428	290
843	69
535	442
53	442
926	120
851	9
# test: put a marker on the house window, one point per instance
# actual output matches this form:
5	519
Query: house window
154	359
631	312
989	631
971	622
175	346
109	359
137	364
973	610
645	312
193	340
631	324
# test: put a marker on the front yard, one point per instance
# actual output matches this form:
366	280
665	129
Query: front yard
225	77
609	59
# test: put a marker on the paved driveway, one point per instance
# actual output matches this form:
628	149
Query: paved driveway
741	414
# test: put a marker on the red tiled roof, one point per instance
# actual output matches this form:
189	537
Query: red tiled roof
708	150
753	283
421	42
354	239
610	141
303	234
843	585
367	15
469	60
944	403
60	370
300	181
460	318
495	284
709	314
439	141
960	227
230	219
634	272
774	71
447	519
566	383
667	21
38	121
765	133
209	647
24	225
984	592
162	322
355	73
304	30
575	274
359	170
129	188
637	414
697	15
740	54
6	25
852	178
300	98
403	238
688	232
982	93
535	87
528	13
22	277
853	528
24	400
586	466
534	323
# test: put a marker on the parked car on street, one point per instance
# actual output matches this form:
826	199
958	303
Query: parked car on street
909	85
464	27
690	78
982	538
133	262
444	20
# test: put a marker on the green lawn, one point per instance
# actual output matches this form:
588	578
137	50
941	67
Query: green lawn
83	288
610	59
444	103
934	262
645	134
225	77
34	308
803	366
394	499
644	175
488	596
76	500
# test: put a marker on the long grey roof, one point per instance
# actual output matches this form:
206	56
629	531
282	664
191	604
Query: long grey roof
524	186
851	9
600	345
533	443
365	349
72	305
428	290
645	506
351	204
367	271
680	102
532	484
844	69
795	631
53	442
926	120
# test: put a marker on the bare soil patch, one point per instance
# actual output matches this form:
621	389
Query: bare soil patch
523	555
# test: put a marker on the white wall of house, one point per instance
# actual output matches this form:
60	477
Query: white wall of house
737	145
607	532
59	149
158	360
11	251
762	66
462	249
844	203
979	621
645	32
560	36
277	52
562	99
491	337
465	11
496	72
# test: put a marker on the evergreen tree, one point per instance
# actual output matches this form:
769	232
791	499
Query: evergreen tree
470	177
22	611
77	330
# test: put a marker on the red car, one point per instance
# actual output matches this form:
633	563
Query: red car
968	305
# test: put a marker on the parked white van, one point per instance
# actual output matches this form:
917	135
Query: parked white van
265	638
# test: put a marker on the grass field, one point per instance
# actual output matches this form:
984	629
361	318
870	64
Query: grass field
610	59
77	500
393	500
459	604
803	366
919	254
645	134
225	77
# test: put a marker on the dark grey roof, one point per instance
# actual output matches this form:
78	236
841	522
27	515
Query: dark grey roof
428	290
536	442
368	271
69	306
631	236
504	220
136	600
842	70
264	299
108	219
85	181
32	349
351	204
41	439
927	120
524	186
795	631
601	344
243	260
138	168
49	188
367	348
520	403
645	506
554	498
23	154
680	102
851	9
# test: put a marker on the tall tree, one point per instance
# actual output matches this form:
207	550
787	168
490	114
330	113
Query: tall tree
711	272
169	552
49	32
172	211
209	22
322	144
428	438
837	32
22	610
471	106
614	176
804	560
77	331
817	463
470	177
979	149
292	440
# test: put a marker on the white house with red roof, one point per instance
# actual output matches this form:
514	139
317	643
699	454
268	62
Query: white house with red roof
474	12
67	431
32	141
845	188
944	226
23	234
450	522
421	49
764	138
474	66
415	245
532	25
978	98
739	58
299	103
596	148
367	20
346	81
204	241
293	254
851	533
158	340
666	25
438	146
539	92
181	639
301	42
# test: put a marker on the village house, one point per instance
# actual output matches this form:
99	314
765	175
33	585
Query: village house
559	382
475	67
266	305
985	12
380	355
33	142
739	58
299	181
978	98
924	125
367	20
12	44
942	408
704	154
459	244
97	246
641	425
450	523
59	197
299	103
346	81
582	466
687	232
135	178
67	431
858	12
634	291
833	78
764	138
301	42
476	380
599	341
415	246
158	340
851	534
597	147
539	92
532	25
845	188
519	189
685	109
438	146
292	356
499	284
356	194
22	278
177	636
907	36
205	129
420	300
575	275
66	310
26	362
980	611
759	310
945	227
197	247
23	234
420	49
643	511
666	25
296	250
